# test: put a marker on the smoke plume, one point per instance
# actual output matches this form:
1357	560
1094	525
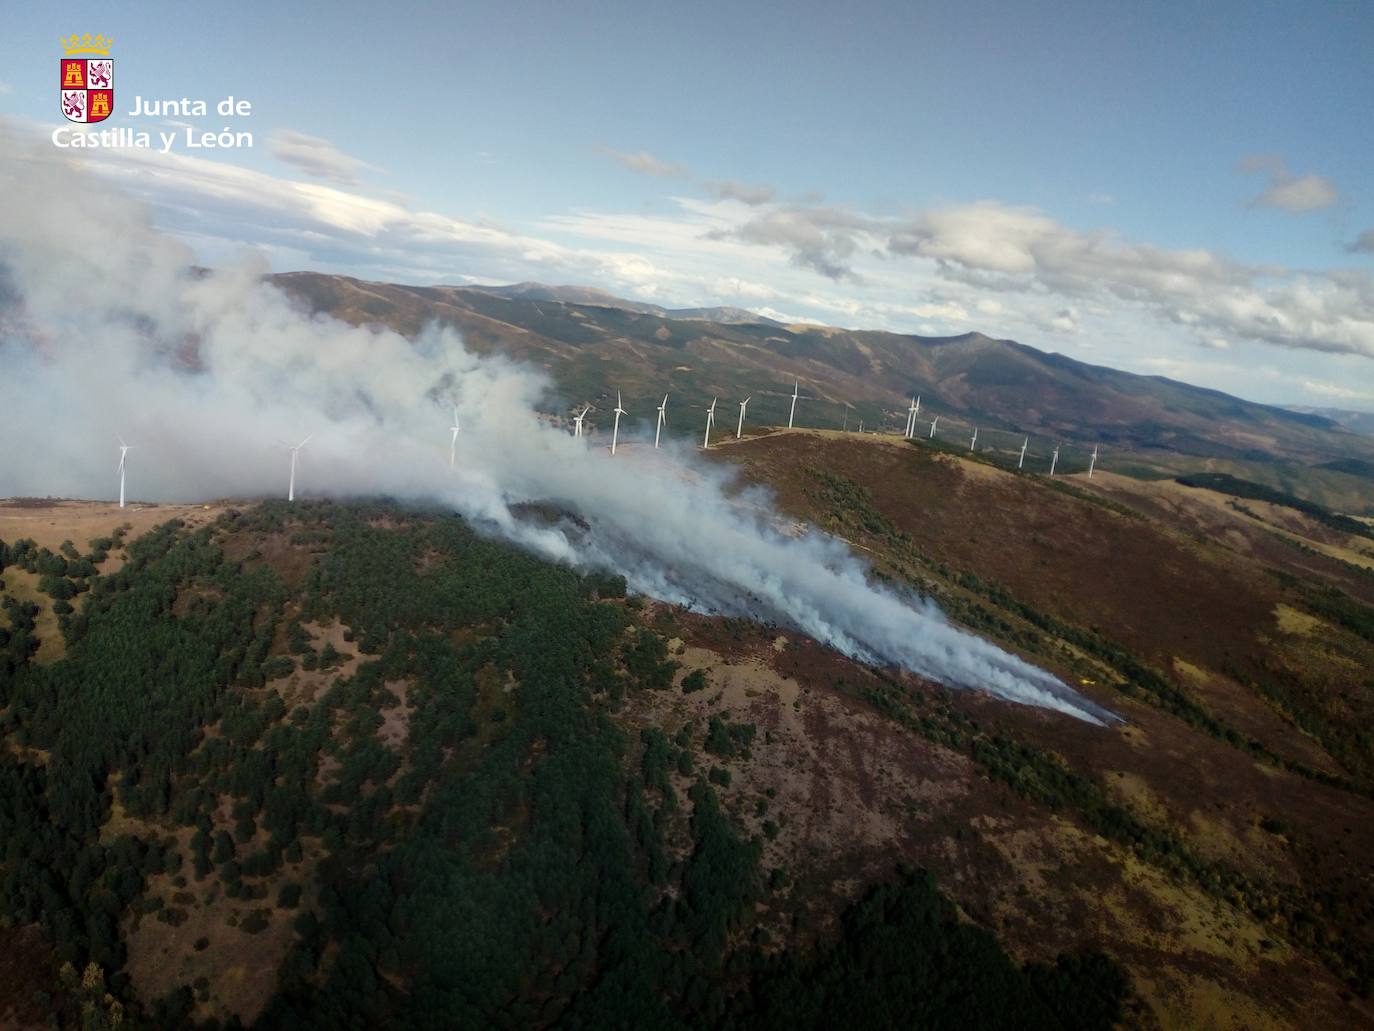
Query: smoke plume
107	330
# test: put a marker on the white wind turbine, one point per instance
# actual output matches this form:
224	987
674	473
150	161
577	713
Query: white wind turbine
124	450
1022	460
796	386
615	431
662	418
933	423
847	407
739	430
1092	462
577	421
710	421
453	440
1054	460
973	444
911	414
291	486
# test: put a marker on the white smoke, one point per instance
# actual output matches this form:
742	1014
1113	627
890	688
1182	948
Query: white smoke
107	329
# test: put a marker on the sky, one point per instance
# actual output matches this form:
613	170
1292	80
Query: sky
1180	189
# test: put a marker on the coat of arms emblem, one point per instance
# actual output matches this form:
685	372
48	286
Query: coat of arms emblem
87	91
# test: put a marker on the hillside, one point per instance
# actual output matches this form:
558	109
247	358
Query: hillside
1146	424
321	765
331	763
586	295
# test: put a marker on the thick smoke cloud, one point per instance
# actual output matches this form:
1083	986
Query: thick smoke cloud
107	329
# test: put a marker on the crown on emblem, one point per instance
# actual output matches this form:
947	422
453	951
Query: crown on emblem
87	44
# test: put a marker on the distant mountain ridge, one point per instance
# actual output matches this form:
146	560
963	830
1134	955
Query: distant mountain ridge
595	345
1358	422
589	295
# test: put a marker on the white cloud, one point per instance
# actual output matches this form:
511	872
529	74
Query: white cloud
823	239
1001	248
733	286
1295	194
1337	391
745	193
1101	198
646	164
1065	321
785	318
317	157
5	88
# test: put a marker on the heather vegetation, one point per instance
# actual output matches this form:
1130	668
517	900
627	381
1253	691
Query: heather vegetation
1328	910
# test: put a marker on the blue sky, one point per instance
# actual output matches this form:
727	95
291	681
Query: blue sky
1172	188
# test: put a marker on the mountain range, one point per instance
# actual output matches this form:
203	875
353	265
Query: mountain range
592	345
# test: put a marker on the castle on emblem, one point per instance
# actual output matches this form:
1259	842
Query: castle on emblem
87	83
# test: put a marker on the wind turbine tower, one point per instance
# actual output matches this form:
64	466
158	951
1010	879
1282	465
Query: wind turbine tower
295	451
577	421
796	386
710	421
1092	462
662	418
739	430
911	414
933	423
453	441
973	444
1022	460
615	430
124	450
1054	460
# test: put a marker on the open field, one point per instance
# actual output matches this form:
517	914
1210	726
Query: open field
50	521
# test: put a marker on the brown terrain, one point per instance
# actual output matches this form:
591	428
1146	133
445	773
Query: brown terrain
852	771
1182	581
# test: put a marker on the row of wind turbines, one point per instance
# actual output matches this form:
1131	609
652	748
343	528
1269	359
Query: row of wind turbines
909	433
913	413
662	421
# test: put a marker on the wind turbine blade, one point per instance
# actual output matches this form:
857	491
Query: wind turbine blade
304	442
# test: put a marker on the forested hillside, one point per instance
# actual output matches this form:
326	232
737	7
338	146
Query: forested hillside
347	765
